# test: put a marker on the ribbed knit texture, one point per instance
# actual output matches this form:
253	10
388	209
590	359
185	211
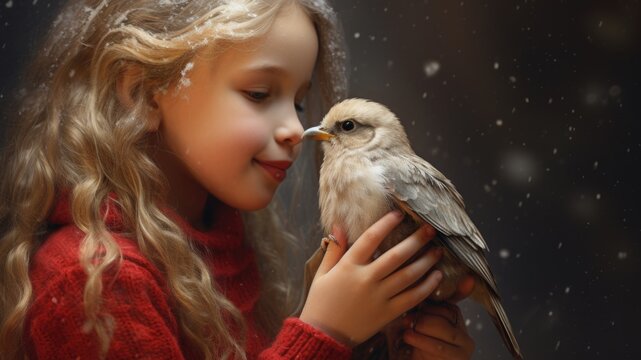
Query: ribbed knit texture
138	299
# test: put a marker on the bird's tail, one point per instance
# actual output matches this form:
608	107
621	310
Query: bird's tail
493	306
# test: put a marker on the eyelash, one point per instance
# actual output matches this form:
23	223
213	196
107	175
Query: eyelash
259	96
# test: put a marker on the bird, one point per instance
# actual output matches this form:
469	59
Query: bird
369	168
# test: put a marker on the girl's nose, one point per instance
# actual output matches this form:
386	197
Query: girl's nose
290	130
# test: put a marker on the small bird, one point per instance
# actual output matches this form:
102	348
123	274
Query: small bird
369	169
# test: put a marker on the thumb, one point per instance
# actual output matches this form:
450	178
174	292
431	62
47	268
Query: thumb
335	251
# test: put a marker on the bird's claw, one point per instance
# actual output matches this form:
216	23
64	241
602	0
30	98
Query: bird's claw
325	241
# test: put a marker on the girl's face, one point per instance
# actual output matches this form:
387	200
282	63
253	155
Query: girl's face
231	125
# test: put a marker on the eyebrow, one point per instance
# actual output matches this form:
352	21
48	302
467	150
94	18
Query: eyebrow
267	68
274	69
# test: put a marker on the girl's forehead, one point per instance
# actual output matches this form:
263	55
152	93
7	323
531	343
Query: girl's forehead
290	45
290	21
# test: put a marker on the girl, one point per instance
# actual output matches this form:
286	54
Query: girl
148	126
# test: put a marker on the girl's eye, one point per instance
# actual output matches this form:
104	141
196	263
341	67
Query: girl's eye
348	125
299	108
257	95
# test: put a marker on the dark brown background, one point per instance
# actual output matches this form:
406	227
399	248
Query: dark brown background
533	114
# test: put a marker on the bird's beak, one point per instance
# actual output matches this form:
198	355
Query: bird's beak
317	133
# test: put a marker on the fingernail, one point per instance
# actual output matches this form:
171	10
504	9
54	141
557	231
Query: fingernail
332	238
397	214
324	243
438	275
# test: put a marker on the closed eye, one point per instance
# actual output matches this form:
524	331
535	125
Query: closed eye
256	96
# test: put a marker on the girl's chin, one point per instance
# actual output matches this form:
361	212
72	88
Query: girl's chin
258	202
247	195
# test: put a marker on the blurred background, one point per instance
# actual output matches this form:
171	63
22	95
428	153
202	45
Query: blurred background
531	109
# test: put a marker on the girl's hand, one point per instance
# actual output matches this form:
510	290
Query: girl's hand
353	297
437	331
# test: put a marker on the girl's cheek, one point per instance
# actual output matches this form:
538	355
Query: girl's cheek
252	134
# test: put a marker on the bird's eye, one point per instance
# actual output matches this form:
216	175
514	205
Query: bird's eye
348	125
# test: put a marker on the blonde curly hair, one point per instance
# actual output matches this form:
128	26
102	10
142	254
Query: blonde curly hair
72	133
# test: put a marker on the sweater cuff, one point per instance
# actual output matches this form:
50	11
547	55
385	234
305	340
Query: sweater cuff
299	339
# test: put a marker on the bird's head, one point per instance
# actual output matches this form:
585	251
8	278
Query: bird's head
359	124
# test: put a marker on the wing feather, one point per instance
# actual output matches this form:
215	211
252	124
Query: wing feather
474	259
432	196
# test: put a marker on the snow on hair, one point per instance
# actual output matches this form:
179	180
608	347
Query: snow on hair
74	136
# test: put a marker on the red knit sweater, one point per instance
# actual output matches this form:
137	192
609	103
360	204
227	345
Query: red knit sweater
138	299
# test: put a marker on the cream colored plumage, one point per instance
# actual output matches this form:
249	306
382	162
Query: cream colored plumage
369	169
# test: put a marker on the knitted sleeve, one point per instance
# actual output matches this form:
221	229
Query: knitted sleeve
299	340
144	326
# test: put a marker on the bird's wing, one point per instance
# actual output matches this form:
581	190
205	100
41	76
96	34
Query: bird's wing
430	195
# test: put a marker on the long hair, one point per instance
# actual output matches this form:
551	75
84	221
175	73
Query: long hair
73	135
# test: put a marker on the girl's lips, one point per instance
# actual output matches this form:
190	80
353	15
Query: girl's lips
277	169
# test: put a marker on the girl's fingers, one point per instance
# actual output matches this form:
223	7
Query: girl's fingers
335	251
438	332
442	329
413	296
448	312
401	252
409	274
364	247
463	290
432	348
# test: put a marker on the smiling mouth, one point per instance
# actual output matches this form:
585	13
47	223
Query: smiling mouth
276	169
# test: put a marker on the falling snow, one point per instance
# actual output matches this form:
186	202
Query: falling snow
540	136
431	68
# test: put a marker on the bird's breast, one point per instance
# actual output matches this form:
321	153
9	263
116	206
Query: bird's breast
353	195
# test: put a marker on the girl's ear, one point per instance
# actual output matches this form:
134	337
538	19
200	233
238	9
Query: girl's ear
128	86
